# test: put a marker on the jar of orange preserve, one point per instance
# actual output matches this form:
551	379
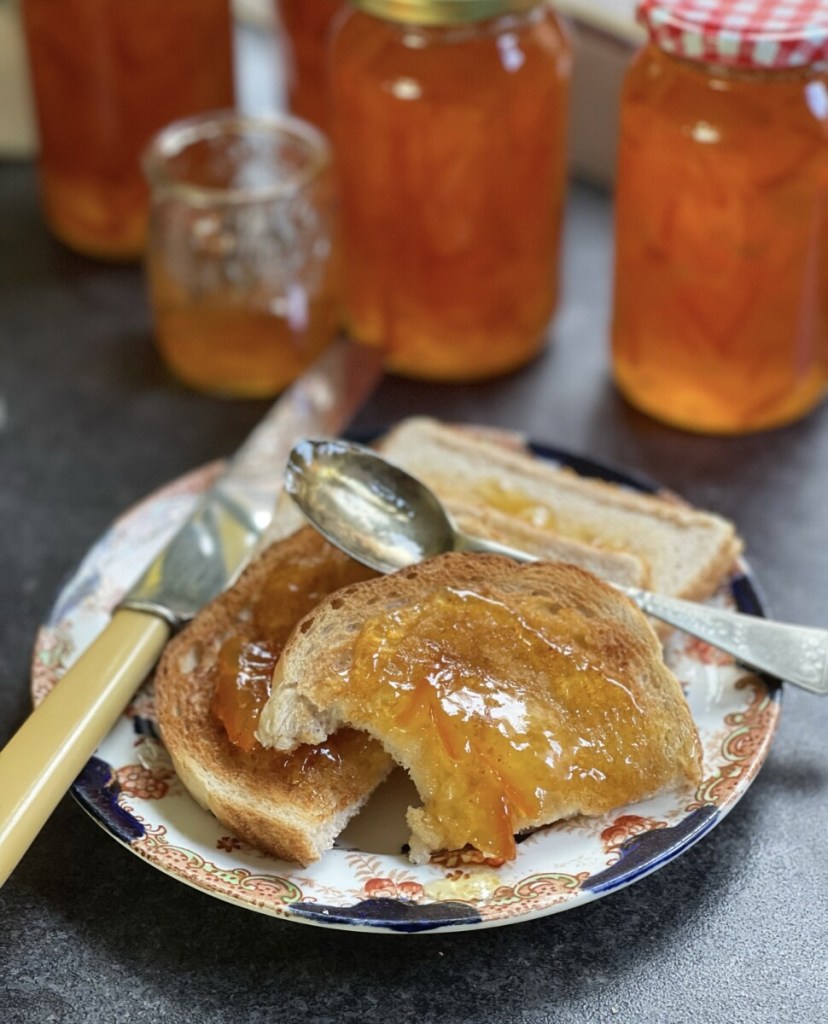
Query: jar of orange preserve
449	127
106	76
307	25
721	282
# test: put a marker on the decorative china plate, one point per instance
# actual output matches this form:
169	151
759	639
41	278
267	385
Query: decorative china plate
366	882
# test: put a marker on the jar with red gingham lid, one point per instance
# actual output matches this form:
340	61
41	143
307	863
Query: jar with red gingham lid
720	320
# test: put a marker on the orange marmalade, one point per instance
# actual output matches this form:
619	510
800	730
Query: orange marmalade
245	663
505	714
106	76
721	279
451	156
242	259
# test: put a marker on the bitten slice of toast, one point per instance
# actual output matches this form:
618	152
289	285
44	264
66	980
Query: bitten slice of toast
291	807
514	695
685	552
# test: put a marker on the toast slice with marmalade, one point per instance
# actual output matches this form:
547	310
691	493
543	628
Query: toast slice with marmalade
513	695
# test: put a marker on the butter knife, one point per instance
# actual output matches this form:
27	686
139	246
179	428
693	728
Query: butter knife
206	554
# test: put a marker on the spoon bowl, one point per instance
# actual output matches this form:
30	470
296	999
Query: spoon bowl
376	512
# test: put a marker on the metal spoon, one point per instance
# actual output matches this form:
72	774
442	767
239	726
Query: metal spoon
387	519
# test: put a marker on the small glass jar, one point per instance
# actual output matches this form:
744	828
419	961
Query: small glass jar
242	256
106	76
450	140
307	25
721	279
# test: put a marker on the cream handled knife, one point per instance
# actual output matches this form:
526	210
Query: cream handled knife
44	757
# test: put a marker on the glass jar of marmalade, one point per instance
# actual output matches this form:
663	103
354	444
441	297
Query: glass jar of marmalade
449	122
241	256
106	76
307	25
721	280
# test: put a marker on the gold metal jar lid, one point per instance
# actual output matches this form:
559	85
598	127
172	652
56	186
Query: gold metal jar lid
443	12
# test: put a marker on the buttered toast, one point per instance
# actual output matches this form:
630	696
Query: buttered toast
514	695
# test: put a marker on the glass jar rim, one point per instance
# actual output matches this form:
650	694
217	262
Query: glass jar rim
176	137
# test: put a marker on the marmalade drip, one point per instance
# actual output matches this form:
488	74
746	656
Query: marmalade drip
245	663
506	715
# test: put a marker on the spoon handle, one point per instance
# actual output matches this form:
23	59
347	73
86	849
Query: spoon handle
793	653
479	545
796	654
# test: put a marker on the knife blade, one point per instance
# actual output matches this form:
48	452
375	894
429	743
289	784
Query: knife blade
215	542
204	556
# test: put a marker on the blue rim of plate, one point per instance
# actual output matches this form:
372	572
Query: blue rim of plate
96	790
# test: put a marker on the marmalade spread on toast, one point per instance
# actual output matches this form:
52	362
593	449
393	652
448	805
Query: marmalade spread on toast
506	715
245	663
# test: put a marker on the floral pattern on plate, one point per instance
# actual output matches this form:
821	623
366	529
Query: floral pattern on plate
131	789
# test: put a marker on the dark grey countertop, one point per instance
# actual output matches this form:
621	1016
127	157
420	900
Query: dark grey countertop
734	930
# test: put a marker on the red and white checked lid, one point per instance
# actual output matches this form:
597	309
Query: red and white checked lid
740	33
